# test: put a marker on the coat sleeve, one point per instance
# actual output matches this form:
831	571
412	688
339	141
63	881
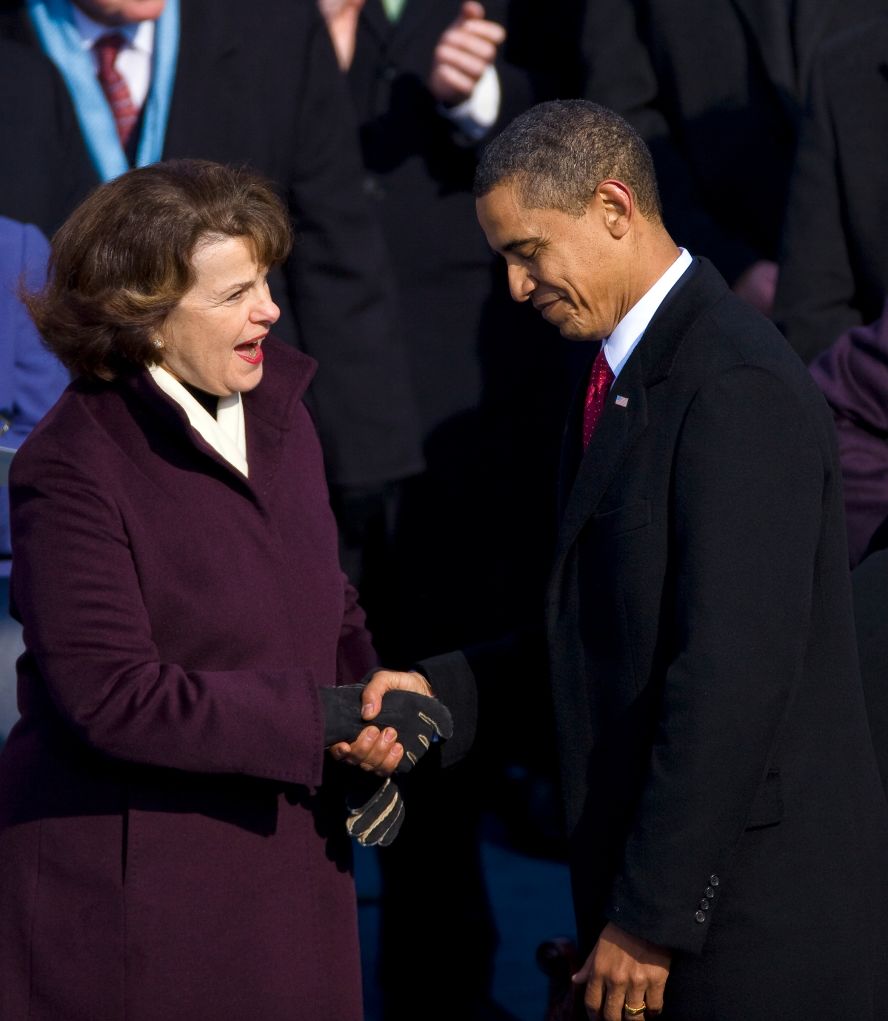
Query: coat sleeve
342	287
75	587
815	300
37	376
748	508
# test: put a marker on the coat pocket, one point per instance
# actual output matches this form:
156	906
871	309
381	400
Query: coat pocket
627	518
767	807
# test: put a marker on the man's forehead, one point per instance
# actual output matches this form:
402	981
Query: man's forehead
503	215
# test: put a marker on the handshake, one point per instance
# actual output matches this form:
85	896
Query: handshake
418	720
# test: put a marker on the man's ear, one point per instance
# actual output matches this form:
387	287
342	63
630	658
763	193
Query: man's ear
618	204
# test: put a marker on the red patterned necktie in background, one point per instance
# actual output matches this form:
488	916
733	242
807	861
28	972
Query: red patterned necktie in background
600	379
117	92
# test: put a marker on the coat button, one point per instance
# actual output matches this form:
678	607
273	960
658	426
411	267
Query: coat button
713	880
700	917
710	893
389	73
704	905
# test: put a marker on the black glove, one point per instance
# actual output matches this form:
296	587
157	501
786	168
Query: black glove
378	819
418	719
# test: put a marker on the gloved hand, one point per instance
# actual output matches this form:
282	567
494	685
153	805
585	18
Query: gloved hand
377	819
418	719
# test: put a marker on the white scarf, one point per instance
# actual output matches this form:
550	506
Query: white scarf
225	433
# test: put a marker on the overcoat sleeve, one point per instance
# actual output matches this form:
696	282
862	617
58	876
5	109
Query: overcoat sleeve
748	507
77	592
816	290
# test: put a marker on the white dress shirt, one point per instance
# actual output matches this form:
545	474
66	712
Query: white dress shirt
134	60
630	329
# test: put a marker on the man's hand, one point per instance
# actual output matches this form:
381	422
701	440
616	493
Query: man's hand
375	750
342	24
621	971
464	51
758	284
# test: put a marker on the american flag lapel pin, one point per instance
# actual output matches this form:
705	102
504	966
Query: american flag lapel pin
621	401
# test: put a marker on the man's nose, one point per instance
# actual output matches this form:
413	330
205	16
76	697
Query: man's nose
521	283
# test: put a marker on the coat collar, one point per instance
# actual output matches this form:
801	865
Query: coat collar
269	413
626	413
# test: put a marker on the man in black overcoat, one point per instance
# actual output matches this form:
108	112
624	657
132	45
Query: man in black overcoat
728	832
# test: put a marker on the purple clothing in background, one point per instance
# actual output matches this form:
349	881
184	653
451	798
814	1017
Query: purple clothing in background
853	375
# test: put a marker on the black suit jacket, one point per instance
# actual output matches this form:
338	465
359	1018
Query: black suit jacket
716	88
720	787
258	83
834	266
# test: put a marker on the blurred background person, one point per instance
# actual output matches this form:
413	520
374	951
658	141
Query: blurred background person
30	381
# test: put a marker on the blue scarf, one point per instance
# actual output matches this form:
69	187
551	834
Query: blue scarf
54	24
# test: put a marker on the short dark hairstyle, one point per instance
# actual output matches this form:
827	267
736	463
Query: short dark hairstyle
556	154
123	259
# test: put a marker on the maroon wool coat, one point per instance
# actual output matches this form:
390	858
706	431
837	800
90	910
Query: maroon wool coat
167	847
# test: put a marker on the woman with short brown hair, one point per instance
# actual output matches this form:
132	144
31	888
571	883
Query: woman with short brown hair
172	838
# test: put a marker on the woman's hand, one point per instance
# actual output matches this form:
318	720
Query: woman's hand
376	750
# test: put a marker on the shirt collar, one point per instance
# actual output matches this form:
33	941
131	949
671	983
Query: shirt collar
138	34
630	329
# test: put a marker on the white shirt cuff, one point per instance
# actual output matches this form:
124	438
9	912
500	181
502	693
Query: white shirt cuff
476	115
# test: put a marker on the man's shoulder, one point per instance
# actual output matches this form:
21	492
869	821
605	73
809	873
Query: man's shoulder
722	332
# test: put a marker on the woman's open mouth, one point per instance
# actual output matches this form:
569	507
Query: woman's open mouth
250	350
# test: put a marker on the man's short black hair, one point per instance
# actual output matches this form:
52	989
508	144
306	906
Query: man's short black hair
557	153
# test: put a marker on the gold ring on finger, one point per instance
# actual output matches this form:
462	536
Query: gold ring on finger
634	1011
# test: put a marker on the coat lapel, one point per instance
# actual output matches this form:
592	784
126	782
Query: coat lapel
377	21
625	416
413	18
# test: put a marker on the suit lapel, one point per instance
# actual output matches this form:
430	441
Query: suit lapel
414	16
376	20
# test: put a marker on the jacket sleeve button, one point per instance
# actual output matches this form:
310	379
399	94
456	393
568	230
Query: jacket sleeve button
700	916
713	880
704	905
710	893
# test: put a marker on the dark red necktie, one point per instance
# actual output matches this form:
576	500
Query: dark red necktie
600	379
117	92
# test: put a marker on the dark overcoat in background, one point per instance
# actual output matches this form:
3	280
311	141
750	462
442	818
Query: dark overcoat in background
834	266
166	847
258	83
721	791
716	88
